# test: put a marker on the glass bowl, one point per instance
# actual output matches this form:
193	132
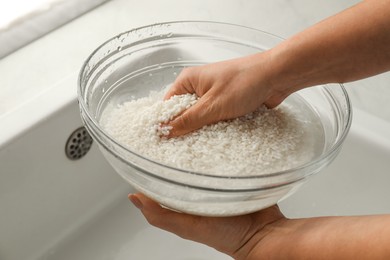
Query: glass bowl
133	63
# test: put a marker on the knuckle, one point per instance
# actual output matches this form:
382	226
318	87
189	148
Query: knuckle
185	120
181	125
186	71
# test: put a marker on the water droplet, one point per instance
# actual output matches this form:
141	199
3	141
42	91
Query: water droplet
119	48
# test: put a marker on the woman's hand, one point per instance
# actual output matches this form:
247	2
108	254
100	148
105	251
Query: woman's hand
267	234
241	237
227	90
339	49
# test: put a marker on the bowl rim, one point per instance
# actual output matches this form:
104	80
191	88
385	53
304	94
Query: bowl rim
317	160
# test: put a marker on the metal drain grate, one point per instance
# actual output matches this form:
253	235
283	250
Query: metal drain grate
78	144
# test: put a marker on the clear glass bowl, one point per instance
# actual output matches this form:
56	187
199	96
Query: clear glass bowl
133	63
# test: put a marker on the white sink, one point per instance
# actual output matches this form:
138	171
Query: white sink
54	208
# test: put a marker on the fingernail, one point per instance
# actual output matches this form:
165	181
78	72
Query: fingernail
135	201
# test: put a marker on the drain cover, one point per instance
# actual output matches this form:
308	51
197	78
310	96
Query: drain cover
78	144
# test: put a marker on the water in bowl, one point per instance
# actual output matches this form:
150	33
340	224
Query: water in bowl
139	84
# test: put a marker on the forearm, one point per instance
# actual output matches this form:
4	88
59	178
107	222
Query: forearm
363	237
360	237
351	45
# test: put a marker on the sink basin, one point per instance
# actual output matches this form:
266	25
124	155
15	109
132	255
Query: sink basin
56	208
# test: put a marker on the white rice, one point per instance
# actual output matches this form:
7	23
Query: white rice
261	142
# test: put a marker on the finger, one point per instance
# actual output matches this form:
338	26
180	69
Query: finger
226	234
274	101
221	233
193	118
181	86
175	222
176	89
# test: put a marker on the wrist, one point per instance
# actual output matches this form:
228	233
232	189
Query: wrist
288	71
271	76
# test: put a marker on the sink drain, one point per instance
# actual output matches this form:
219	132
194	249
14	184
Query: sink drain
78	144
